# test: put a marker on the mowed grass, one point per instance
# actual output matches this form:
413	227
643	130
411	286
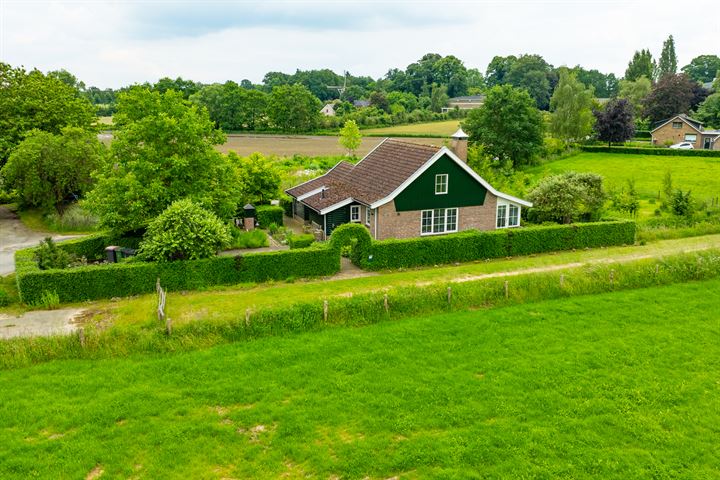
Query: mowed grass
613	386
701	175
444	128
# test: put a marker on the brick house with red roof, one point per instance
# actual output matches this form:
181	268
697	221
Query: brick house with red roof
404	190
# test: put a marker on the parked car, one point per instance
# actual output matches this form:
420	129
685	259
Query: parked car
683	146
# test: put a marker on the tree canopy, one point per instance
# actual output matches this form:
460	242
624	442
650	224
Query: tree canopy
163	151
703	69
508	124
568	197
671	95
233	107
615	122
709	111
635	91
293	108
350	137
571	105
668	59
642	64
259	180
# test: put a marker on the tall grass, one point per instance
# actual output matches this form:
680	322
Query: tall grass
248	239
365	309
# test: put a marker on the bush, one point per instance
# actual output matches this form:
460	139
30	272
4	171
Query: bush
49	256
268	214
47	301
4	298
184	231
248	239
354	235
682	203
73	219
651	151
301	241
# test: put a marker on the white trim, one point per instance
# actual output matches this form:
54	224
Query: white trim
463	165
340	204
507	215
324	227
447	183
673	119
377	212
367	215
432	221
310	193
357	207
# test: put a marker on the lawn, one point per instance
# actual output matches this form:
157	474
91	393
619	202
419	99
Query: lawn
444	128
701	175
614	386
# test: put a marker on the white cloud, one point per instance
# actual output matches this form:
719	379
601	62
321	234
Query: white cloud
114	44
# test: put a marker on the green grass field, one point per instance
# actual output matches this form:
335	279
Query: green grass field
612	386
430	129
699	174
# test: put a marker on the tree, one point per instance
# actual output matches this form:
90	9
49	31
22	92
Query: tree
438	98
498	69
627	200
709	111
186	87
259	179
350	137
532	73
380	101
571	105
642	64
568	197
703	68
450	72
163	151
604	86
636	91
615	121
49	256
184	231
671	95
231	106
682	203
293	108
47	170
668	59
31	100
68	79
508	124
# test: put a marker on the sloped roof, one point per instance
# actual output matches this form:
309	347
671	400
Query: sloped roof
696	124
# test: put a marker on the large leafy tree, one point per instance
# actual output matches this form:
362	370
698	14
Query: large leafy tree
615	122
709	111
258	178
31	100
293	108
535	75
186	87
642	64
350	137
163	151
703	69
233	107
497	70
568	197
450	72
47	170
668	59
635	91
671	95
604	86
571	105
508	124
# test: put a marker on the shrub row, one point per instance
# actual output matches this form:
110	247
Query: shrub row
650	151
300	241
475	245
122	279
368	308
268	214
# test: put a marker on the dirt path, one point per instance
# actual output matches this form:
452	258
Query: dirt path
40	323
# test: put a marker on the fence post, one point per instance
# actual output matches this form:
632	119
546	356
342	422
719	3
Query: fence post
657	268
507	289
168	326
247	317
325	310
385	303
612	277
562	281
81	336
449	295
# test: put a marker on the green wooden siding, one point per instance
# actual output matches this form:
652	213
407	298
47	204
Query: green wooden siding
337	218
314	216
463	190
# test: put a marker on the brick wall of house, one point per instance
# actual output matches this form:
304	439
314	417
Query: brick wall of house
675	135
394	224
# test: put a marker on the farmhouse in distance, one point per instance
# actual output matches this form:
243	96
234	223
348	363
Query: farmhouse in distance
405	190
682	128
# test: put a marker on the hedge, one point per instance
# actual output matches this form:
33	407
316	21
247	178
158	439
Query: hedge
94	282
268	214
300	241
650	151
475	245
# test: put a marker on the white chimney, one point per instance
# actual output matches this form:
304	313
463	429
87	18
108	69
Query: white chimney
459	144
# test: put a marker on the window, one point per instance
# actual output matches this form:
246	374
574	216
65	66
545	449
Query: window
690	137
501	213
677	124
367	215
355	213
514	216
439	220
441	184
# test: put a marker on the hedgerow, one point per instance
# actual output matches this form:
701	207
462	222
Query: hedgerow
650	151
268	214
300	241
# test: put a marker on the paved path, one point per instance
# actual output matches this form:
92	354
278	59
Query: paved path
16	236
39	323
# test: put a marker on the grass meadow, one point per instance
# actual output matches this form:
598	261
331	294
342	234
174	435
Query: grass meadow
444	128
614	386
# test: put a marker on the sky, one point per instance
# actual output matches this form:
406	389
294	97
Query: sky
116	43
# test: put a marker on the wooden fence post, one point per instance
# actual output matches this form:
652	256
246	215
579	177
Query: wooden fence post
247	317
507	289
168	326
325	310
385	303
81	336
449	295
657	268
612	277
562	281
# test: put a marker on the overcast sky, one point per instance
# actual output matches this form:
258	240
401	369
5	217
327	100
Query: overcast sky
115	43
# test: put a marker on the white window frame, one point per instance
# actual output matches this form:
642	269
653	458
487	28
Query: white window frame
678	123
355	213
368	212
504	220
441	179
434	221
693	135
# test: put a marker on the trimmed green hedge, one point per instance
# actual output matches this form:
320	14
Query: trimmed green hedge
267	214
475	245
122	279
651	151
301	241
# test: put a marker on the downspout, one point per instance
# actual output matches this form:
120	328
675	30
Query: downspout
377	210
325	227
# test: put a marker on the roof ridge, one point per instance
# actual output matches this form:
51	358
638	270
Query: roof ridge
413	144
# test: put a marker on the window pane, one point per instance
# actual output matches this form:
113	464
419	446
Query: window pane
426	221
451	220
354	213
438	220
441	181
501	212
514	220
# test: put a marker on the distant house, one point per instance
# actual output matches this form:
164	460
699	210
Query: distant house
361	103
682	128
464	103
328	110
403	190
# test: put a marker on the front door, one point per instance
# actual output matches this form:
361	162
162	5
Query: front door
707	145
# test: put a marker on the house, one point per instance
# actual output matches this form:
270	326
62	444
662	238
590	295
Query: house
464	103
682	128
328	110
404	190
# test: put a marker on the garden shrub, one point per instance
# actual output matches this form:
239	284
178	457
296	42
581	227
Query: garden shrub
300	241
268	214
4	298
248	239
49	256
184	231
651	151
355	235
